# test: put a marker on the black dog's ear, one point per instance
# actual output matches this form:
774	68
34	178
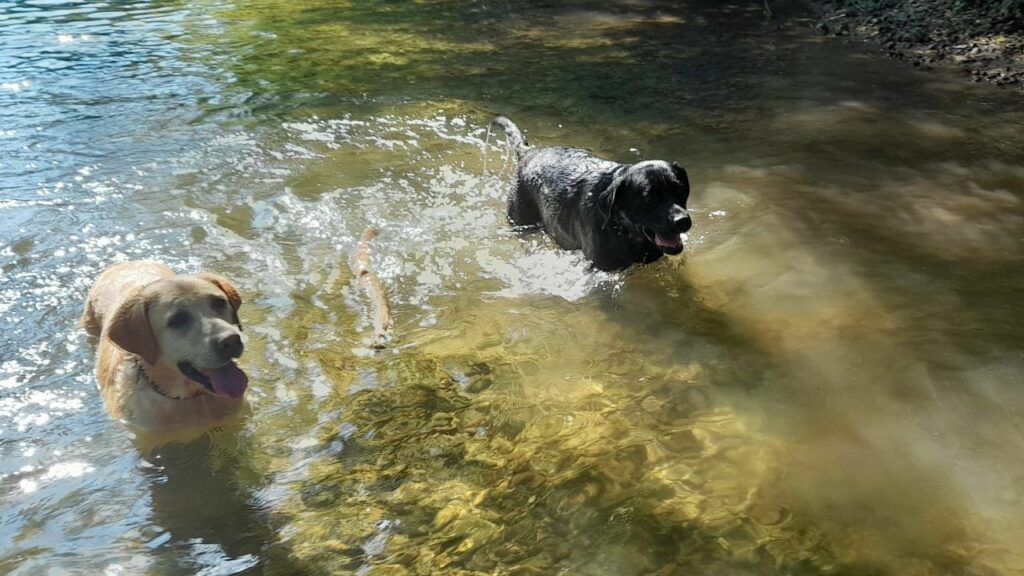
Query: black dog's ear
680	173
606	201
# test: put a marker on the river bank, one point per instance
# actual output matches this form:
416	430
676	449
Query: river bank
984	40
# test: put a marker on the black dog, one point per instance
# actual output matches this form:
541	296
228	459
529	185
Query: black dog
618	214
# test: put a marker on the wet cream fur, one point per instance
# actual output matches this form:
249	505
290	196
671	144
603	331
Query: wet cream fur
127	309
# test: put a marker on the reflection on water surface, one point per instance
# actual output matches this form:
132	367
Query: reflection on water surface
828	381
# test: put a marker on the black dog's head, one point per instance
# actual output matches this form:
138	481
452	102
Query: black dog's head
650	198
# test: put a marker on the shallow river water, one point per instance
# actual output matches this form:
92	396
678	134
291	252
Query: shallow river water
830	380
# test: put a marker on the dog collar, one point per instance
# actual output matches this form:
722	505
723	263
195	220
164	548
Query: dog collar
160	391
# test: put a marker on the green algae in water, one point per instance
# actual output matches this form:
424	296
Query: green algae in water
451	458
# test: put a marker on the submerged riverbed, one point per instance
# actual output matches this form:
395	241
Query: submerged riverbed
830	380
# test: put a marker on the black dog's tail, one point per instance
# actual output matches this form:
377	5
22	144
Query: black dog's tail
512	133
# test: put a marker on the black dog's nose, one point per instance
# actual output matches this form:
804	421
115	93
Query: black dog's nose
682	222
230	346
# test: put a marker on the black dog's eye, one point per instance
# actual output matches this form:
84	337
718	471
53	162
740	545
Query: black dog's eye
178	320
219	303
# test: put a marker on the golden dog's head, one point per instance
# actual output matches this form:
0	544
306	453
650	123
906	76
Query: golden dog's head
189	322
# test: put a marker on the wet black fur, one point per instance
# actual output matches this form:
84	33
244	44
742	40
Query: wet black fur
611	211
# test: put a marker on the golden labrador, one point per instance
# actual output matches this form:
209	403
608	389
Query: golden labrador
167	345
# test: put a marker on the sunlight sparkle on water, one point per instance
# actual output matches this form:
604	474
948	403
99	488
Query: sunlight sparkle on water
69	38
15	87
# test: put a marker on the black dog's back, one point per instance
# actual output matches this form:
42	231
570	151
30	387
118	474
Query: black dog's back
553	171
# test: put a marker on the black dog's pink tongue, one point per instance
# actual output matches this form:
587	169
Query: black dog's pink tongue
670	242
228	380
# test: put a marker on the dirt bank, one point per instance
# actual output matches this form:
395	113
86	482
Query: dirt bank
982	38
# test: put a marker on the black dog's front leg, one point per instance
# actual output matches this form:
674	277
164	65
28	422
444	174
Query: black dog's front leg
606	251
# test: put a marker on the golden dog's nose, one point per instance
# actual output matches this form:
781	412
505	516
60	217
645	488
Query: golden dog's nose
230	346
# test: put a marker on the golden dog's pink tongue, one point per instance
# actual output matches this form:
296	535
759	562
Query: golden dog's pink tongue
228	380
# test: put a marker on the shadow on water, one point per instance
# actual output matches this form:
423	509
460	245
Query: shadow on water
199	512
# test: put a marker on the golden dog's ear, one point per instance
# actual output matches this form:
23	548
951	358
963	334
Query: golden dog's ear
225	286
228	288
129	328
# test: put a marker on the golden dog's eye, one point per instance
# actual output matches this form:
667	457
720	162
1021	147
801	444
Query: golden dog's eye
219	303
178	320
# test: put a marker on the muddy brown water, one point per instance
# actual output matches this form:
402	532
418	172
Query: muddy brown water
830	380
